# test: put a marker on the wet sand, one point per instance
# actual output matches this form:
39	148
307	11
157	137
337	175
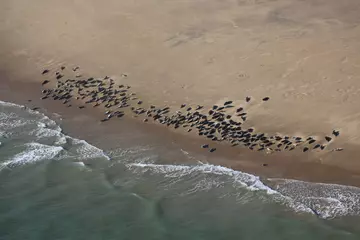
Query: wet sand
84	124
303	54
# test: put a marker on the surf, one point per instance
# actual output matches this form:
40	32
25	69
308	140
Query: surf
37	138
344	200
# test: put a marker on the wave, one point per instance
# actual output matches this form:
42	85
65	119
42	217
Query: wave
330	200
245	180
335	201
33	152
84	151
43	137
136	154
248	180
323	200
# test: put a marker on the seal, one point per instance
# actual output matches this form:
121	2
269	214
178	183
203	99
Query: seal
75	68
45	82
327	138
316	146
312	141
239	109
336	133
212	150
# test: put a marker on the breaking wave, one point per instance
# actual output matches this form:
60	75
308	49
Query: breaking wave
29	137
333	201
36	137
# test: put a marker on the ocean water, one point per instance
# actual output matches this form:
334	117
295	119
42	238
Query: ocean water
54	186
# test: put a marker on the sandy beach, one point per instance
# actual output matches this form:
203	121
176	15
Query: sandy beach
280	164
302	54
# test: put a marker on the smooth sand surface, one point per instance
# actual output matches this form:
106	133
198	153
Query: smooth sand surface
304	55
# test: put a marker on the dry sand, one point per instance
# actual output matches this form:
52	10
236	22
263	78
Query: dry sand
304	55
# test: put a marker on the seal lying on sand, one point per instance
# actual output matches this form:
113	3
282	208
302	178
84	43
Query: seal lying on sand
218	123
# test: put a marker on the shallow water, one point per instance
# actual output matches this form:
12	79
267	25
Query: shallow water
54	186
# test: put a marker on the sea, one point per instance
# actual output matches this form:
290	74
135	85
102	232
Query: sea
56	186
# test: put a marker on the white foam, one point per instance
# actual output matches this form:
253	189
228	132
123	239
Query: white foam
10	104
248	181
251	181
81	164
137	154
328	200
204	185
86	151
42	131
9	121
325	200
34	152
44	127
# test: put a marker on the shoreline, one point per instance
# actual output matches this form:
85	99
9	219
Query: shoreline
304	58
279	165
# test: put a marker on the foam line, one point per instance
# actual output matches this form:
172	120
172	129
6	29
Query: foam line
248	181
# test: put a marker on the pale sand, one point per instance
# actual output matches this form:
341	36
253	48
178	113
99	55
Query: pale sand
304	55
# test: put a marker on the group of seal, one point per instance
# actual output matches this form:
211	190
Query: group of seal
214	124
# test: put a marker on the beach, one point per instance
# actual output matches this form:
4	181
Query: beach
301	61
301	55
280	164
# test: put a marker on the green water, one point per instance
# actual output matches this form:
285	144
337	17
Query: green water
53	186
